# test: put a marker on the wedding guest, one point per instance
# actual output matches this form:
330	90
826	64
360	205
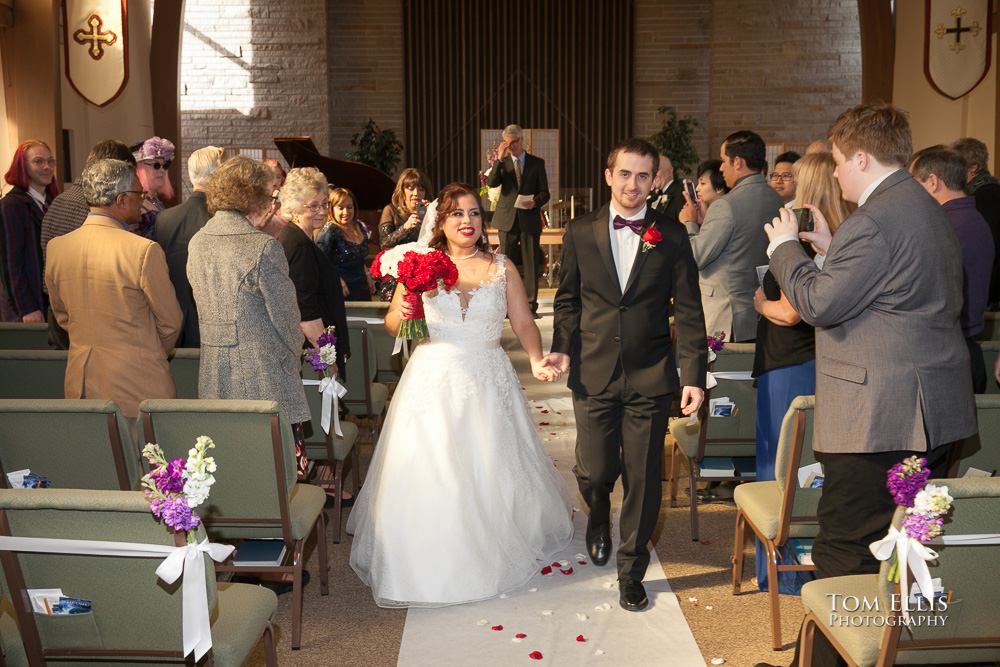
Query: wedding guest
251	341
31	173
785	358
400	223
783	179
711	185
153	158
176	226
344	239
111	291
67	212
985	189
942	172
274	223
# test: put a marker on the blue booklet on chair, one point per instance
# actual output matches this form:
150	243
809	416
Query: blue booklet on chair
260	553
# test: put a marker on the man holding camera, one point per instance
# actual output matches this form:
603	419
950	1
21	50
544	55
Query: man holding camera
524	190
727	241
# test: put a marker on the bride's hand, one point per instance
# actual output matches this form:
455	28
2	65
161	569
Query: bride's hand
544	371
405	309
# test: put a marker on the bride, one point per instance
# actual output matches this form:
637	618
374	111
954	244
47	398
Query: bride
461	500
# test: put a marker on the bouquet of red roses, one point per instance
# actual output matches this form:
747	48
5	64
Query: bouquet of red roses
419	271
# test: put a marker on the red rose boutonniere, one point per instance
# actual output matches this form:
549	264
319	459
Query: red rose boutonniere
650	238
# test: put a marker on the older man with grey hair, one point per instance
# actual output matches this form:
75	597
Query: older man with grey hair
111	291
524	190
174	229
982	186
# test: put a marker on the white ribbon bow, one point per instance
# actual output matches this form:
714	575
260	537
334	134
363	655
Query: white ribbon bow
187	560
332	391
908	552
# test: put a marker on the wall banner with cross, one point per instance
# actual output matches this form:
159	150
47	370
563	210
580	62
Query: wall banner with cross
95	37
957	45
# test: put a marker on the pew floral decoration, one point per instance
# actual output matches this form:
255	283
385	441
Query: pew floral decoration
925	505
715	342
174	488
484	189
324	355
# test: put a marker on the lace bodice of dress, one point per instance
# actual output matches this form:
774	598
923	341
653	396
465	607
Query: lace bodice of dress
470	314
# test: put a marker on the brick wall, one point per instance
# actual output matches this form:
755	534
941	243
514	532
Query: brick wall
251	71
783	68
365	70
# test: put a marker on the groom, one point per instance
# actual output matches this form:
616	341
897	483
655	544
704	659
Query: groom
621	265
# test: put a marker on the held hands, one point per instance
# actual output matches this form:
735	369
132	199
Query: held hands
551	367
691	400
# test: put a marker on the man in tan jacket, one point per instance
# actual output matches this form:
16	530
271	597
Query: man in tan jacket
111	291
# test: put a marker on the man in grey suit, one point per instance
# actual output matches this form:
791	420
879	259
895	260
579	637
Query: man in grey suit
892	370
727	240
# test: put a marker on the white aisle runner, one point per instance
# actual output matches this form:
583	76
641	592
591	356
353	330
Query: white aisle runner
568	617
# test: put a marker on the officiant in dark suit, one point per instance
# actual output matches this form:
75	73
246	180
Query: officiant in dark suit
621	265
520	175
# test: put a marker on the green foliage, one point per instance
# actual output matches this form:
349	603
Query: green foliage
375	147
674	141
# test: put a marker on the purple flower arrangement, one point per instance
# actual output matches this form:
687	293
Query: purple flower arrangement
925	504
716	341
324	355
174	488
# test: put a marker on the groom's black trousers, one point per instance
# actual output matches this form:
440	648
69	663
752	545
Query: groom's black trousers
620	431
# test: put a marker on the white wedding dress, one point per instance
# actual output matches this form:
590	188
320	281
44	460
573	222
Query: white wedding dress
461	500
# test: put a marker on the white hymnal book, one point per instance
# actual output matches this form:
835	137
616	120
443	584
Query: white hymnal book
519	203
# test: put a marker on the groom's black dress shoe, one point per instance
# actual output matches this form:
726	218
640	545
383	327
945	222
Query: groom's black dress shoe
632	594
599	543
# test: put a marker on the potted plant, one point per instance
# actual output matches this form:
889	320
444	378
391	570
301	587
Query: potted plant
674	140
375	147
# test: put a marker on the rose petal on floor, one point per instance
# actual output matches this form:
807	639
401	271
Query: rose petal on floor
580	638
497	628
535	655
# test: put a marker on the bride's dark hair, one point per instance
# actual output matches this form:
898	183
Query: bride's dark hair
447	201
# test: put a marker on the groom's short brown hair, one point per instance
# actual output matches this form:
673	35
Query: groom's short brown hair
633	145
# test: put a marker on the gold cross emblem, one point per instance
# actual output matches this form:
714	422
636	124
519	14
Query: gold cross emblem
96	38
974	30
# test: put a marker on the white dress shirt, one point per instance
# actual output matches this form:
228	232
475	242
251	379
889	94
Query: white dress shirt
624	244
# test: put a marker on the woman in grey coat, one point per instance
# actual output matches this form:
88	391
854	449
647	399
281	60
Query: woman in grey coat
251	340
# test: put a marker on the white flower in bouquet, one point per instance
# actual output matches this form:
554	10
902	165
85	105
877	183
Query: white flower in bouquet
933	500
328	354
198	469
386	263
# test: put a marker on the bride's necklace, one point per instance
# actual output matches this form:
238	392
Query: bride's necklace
467	256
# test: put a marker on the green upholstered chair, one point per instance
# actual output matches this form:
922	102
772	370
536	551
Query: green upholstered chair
33	373
991	329
982	450
134	614
969	634
330	450
991	350
778	511
184	362
731	438
365	397
390	366
76	444
24	336
255	495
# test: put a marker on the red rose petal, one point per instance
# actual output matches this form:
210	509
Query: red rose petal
580	638
546	570
558	413
538	407
545	412
498	628
535	655
552	434
582	562
569	571
543	423
520	635
556	565
705	542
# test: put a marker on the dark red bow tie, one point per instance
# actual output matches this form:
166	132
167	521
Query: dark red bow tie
634	225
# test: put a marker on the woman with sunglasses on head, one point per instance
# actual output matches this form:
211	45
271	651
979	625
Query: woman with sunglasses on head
153	157
32	173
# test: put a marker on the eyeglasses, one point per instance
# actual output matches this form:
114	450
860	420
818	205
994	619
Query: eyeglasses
41	162
316	208
781	177
157	165
141	193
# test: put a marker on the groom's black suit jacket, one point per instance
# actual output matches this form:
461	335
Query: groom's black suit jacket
596	324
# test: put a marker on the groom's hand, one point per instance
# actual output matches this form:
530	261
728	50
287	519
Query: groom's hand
557	359
691	400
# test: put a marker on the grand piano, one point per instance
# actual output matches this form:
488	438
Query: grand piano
372	187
